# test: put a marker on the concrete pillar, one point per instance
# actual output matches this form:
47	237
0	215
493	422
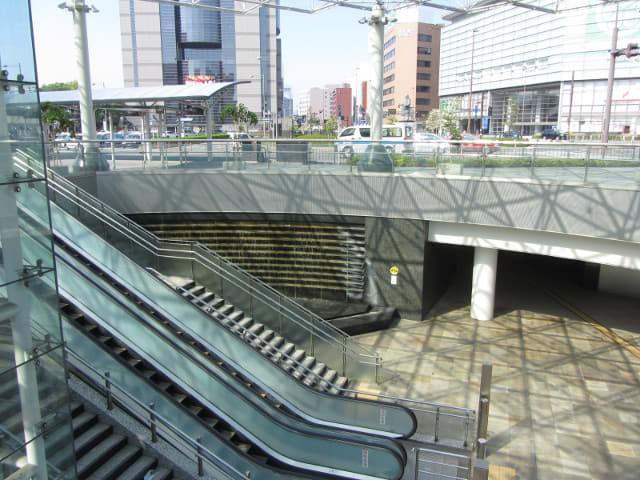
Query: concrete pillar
485	266
146	135
376	47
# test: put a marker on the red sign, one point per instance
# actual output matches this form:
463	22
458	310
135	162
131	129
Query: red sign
199	79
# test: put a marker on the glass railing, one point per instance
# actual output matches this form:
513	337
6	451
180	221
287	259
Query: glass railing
558	161
304	445
194	261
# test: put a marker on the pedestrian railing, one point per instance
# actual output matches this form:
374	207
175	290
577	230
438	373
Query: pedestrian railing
558	161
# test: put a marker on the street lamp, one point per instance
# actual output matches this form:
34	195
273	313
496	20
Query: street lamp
473	46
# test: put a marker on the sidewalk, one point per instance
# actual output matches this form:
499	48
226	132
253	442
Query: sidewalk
566	384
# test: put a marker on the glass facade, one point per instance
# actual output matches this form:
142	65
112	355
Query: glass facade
35	425
554	67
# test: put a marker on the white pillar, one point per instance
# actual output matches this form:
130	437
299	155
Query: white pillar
376	47
146	135
208	110
483	287
18	309
84	76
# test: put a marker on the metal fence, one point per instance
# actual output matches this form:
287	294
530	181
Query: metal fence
557	161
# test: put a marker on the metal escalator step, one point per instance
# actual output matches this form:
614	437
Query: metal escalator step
244	447
133	362
302	370
117	464
209	420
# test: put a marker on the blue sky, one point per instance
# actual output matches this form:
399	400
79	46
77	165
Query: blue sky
317	49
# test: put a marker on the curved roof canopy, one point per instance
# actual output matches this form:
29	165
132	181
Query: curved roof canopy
196	92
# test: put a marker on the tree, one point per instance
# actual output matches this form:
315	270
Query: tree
54	118
512	114
241	116
392	119
446	119
331	126
50	87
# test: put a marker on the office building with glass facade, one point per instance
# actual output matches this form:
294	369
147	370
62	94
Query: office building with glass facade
168	44
526	70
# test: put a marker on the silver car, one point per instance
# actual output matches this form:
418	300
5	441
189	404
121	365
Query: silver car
430	143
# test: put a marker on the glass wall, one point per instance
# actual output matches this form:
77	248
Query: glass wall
35	425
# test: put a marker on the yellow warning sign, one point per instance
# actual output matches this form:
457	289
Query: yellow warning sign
393	270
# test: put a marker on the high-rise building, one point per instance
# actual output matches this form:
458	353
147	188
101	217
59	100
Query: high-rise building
524	71
341	105
410	70
171	44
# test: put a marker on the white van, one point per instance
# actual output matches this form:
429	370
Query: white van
396	138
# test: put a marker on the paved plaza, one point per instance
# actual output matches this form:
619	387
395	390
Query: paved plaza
566	374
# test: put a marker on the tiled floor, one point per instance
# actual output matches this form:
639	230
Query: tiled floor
565	398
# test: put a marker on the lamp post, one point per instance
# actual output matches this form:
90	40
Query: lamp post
473	46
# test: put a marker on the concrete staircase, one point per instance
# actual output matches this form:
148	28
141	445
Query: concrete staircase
295	361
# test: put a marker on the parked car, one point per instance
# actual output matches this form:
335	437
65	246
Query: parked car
554	133
395	138
511	135
104	137
473	143
429	143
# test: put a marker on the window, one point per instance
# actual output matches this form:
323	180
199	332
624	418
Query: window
423	76
347	132
391	66
424	50
423	89
392	132
423	37
424	63
389	42
388	91
389	55
387	103
365	132
390	78
423	101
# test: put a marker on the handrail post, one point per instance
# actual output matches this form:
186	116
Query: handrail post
437	426
586	164
199	454
152	424
107	384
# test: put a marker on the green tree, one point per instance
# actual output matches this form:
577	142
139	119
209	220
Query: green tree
241	116
54	118
512	113
445	120
392	119
50	87
331	126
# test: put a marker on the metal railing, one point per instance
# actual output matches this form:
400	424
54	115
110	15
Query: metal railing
439	465
346	349
558	161
146	415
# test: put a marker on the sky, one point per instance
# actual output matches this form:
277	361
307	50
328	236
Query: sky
319	49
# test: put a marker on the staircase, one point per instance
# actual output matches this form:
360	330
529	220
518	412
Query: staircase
293	360
102	454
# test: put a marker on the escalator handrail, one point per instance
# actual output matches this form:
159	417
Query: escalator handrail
151	243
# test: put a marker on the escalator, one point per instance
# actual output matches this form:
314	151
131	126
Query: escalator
242	407
163	369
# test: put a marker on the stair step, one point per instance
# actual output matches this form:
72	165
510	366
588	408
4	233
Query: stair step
138	470
306	364
91	437
316	374
117	464
294	359
254	330
91	460
263	339
82	422
285	350
339	383
274	344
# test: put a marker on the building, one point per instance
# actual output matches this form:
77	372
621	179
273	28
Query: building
167	44
526	70
410	70
311	102
341	105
